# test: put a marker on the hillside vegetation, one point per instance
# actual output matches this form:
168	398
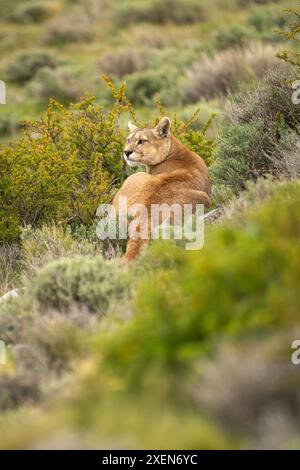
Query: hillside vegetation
183	349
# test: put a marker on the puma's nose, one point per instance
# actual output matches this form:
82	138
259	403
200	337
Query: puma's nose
128	153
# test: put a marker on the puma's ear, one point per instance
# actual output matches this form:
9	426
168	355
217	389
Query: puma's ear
132	127
163	127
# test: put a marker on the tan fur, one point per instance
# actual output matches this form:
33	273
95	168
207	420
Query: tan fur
175	174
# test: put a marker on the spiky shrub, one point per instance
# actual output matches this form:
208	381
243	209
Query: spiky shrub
90	282
263	136
69	162
292	35
64	165
9	221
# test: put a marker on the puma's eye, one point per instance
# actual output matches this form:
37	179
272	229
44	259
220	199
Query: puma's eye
141	142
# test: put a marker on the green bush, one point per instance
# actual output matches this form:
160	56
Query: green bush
258	2
123	62
263	136
9	124
40	349
70	161
231	37
18	389
64	165
39	246
29	12
27	64
211	305
66	29
177	57
266	20
213	294
57	84
292	34
155	11
90	282
9	220
241	158
142	87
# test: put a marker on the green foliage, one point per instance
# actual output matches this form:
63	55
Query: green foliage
175	328
17	389
187	132
231	37
293	35
265	20
183	312
39	350
72	25
69	162
9	223
158	12
9	124
51	242
66	164
89	282
142	87
39	246
262	137
29	12
197	140
55	84
237	158
183	332
123	62
26	65
258	2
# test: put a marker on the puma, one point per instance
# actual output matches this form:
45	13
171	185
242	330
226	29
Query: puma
175	175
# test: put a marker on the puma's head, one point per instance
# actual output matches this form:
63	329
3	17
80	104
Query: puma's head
148	146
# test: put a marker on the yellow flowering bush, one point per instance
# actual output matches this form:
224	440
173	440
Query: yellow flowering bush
70	161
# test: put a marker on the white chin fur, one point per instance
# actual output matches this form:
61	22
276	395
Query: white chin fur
129	162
